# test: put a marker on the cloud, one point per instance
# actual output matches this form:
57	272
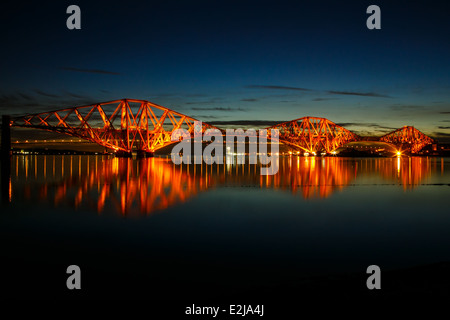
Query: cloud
399	107
76	95
323	99
264	123
444	112
347	93
199	102
254	86
196	95
348	124
38	101
371	129
443	136
443	127
362	124
5	98
363	94
205	117
249	100
25	96
89	71
218	109
209	101
46	94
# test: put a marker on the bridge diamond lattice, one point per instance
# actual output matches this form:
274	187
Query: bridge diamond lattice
129	125
122	125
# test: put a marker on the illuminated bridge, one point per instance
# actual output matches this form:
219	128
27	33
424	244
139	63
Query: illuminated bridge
124	126
314	135
130	125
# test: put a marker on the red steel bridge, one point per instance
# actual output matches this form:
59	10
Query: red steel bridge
130	125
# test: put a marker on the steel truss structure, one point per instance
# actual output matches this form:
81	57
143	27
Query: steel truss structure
407	138
130	125
314	135
125	125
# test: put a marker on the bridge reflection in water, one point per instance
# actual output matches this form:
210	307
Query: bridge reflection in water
143	186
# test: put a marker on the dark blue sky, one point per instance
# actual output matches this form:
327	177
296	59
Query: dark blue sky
226	61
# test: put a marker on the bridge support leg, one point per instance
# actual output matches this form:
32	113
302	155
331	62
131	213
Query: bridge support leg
144	154
123	154
139	154
6	159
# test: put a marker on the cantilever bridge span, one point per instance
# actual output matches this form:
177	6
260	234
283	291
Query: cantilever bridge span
122	125
314	134
408	138
129	125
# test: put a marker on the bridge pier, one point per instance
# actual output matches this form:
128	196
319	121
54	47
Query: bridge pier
139	154
144	154
6	159
123	154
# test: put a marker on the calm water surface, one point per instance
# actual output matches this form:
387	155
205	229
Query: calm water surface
160	230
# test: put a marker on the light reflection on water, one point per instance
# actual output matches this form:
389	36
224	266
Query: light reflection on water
219	229
142	186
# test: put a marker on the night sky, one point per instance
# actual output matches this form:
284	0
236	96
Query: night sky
225	62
